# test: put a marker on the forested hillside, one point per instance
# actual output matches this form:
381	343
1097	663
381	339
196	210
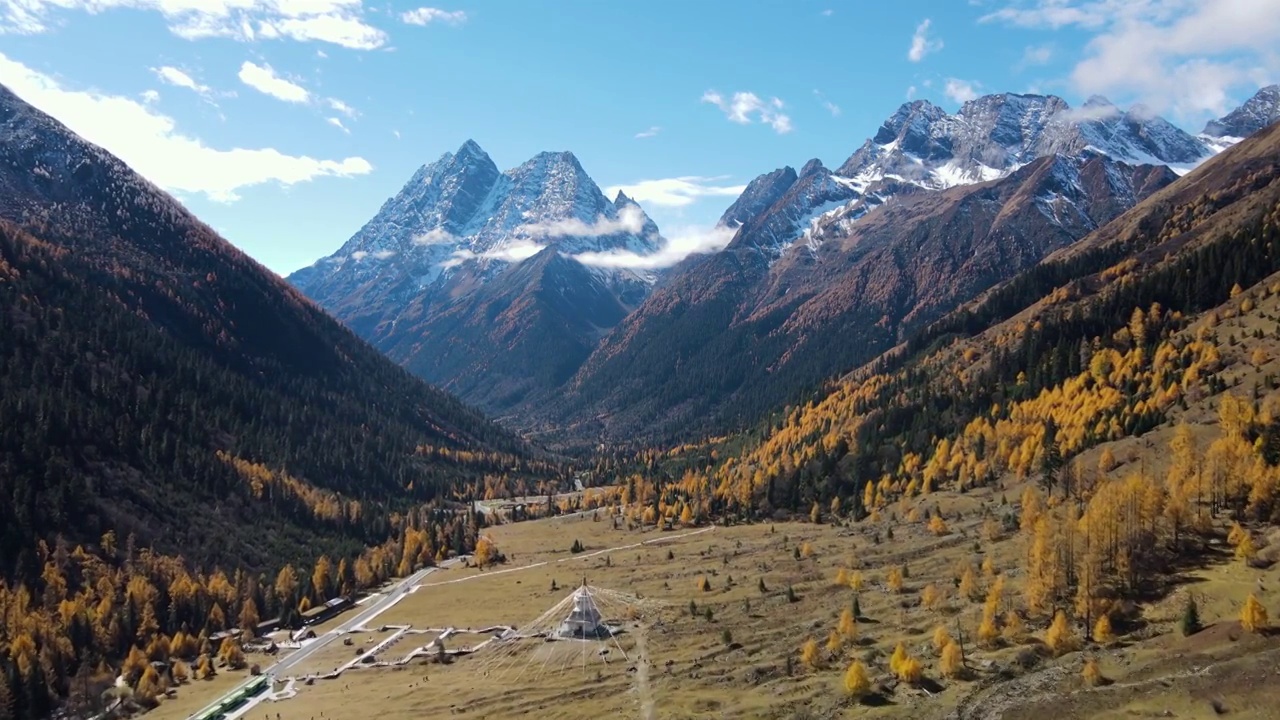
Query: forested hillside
1094	344
169	408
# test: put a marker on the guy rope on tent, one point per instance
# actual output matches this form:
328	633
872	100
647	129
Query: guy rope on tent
584	627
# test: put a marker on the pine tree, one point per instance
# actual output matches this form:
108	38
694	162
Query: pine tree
1190	617
8	705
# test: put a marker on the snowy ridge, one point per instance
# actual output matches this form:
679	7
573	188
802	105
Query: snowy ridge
461	211
921	146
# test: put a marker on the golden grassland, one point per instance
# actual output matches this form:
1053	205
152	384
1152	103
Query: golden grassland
686	669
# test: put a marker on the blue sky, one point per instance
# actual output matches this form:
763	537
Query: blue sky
286	123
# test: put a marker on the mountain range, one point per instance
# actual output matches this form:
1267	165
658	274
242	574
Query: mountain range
476	279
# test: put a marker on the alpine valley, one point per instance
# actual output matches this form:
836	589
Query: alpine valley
490	283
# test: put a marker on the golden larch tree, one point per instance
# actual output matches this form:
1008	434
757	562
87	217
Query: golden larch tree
1253	616
856	682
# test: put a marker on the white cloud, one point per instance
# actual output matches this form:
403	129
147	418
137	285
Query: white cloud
652	131
514	252
152	144
337	122
961	91
1089	112
630	220
345	109
911	92
177	78
831	107
340	22
428	15
264	79
1037	54
1183	56
150	96
437	236
677	191
680	245
743	105
921	43
828	12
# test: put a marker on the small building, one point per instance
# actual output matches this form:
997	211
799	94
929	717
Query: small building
267	626
321	613
216	639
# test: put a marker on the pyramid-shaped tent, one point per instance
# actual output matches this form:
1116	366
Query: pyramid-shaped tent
584	619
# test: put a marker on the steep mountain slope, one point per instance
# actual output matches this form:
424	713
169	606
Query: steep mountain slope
146	362
738	334
1101	341
1256	113
930	212
443	259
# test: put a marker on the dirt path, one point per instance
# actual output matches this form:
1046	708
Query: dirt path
642	676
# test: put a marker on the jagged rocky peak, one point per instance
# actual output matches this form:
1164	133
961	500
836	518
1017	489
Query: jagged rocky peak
813	167
759	195
1256	113
912	119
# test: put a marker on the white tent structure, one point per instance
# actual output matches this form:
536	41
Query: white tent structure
588	625
584	619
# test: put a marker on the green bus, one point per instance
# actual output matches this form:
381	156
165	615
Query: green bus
237	698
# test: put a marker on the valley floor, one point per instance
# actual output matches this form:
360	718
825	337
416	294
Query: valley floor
679	664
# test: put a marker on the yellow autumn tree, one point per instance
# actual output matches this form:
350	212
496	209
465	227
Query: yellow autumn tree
952	662
1091	673
486	551
806	550
968	584
842	577
848	625
897	658
856	682
1014	627
941	638
910	670
810	655
938	526
894	580
834	643
1060	637
1253	616
855	580
931	597
1102	630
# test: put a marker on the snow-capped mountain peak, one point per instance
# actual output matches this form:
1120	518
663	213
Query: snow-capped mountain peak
922	147
1256	113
